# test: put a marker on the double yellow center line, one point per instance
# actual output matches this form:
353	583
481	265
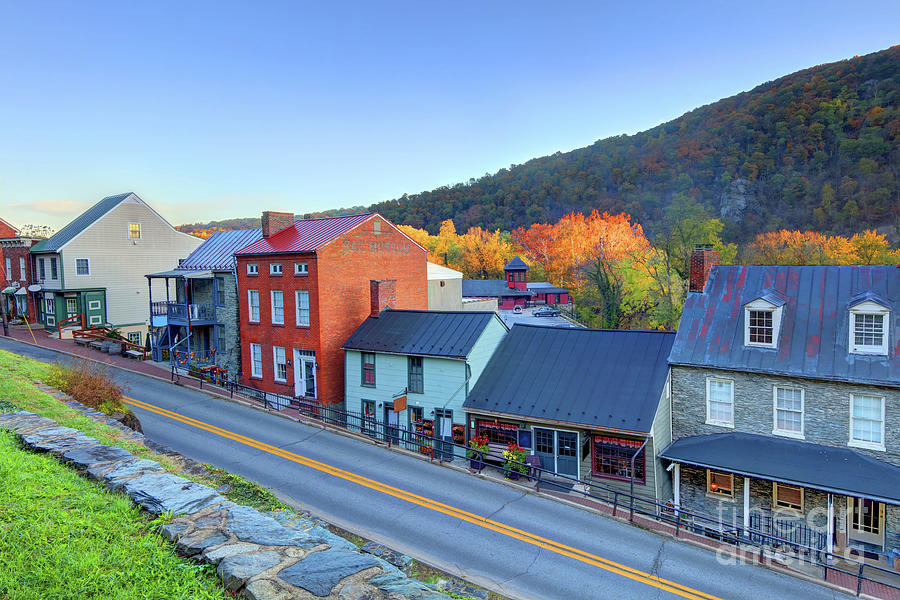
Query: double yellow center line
519	534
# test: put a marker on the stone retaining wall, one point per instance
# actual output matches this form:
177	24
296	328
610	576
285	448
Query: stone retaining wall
261	556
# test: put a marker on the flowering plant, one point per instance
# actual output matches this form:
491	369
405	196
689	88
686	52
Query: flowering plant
515	458
478	447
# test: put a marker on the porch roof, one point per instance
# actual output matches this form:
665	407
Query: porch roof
185	273
828	468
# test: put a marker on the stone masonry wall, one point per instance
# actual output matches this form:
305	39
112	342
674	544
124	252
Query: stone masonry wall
826	408
256	555
228	316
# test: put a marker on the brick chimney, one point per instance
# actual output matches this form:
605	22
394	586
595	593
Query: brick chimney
384	294
703	258
273	222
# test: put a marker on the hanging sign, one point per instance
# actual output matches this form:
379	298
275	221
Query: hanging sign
400	404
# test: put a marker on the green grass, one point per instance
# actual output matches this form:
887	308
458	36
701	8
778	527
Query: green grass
64	537
17	377
243	491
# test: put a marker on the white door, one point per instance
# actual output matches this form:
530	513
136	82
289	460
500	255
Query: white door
304	376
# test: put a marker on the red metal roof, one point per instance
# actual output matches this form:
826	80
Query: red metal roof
304	236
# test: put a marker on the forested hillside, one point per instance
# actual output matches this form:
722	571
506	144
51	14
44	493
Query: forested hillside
817	149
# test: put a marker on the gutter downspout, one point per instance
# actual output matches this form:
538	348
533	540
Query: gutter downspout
631	493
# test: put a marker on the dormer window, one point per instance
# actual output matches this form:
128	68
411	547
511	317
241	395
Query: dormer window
869	328
762	321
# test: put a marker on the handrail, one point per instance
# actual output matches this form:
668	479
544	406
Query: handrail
681	519
59	325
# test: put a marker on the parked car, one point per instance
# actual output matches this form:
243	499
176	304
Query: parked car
546	311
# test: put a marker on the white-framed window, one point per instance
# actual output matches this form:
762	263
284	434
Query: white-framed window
274	268
21	269
71	306
93	305
95	320
277	307
134	337
252	269
867	421
255	360
54	274
719	484
869	329
301	268
42	270
9	274
787	496
134	231
302	302
253	305
82	266
762	322
720	401
280	363
788	415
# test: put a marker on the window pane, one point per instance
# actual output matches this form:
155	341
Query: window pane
869	330
866	417
761	326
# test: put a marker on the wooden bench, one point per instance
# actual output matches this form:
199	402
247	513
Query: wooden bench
495	453
82	341
96	345
134	354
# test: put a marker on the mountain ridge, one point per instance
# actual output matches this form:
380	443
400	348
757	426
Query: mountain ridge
815	149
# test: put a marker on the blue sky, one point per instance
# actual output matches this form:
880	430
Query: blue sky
223	109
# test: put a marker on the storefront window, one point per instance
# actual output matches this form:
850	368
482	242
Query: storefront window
612	458
498	433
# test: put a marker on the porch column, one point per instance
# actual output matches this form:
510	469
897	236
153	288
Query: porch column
676	475
830	539
150	299
746	504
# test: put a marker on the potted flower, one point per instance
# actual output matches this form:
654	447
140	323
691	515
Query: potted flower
515	461
478	447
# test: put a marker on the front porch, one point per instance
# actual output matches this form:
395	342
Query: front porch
775	491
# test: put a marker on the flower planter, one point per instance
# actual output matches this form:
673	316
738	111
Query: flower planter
476	464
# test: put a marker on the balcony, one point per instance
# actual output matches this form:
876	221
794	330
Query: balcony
177	313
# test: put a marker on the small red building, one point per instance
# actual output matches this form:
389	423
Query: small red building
515	290
18	275
307	285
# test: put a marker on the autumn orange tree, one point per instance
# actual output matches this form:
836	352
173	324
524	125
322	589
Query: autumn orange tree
479	254
786	247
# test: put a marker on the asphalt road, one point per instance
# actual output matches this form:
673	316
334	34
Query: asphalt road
320	470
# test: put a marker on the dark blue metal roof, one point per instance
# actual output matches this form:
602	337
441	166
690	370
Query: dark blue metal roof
450	334
827	468
815	326
217	252
490	288
516	264
599	378
79	224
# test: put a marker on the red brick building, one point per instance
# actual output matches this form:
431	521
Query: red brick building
307	285
17	272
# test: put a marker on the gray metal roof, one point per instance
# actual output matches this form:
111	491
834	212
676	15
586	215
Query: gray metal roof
827	468
599	378
217	252
815	325
516	264
490	288
450	334
185	273
545	287
79	224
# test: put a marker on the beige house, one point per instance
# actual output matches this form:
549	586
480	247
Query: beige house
95	265
444	288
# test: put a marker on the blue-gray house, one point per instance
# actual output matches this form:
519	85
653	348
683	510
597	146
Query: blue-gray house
198	327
